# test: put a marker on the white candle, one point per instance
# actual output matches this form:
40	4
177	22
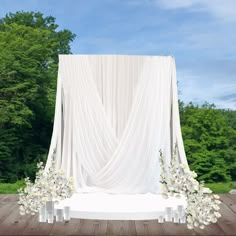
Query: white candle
160	219
59	215
168	214
183	219
42	214
176	217
50	211
180	209
66	213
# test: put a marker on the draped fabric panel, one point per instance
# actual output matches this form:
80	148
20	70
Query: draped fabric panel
113	114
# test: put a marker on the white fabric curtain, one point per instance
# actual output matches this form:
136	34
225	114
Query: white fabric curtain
113	113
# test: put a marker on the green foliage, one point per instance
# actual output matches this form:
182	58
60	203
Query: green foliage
11	188
210	141
221	187
29	48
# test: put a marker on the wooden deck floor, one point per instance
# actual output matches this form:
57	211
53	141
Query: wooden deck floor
12	223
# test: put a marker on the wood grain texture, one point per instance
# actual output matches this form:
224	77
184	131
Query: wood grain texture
12	223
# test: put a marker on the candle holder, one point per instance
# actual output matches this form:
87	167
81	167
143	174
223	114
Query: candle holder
180	210
66	213
182	215
176	217
42	214
59	215
183	219
161	219
168	214
50	211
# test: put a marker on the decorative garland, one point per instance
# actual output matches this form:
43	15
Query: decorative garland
49	185
202	206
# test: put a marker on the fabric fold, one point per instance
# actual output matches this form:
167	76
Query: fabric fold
113	114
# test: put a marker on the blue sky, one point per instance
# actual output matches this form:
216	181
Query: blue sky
200	34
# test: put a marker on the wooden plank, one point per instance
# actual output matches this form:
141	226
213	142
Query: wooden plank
232	197
86	227
14	223
100	227
171	228
228	220
141	227
127	227
11	222
114	227
154	228
9	198
5	210
34	227
43	228
229	200
66	228
211	229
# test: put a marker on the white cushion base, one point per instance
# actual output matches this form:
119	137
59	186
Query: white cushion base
103	206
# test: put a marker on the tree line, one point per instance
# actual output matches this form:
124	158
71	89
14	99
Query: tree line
29	48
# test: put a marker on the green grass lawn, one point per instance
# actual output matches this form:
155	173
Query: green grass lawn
221	187
7	188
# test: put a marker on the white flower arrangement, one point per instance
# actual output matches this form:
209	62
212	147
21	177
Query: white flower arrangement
49	185
202	206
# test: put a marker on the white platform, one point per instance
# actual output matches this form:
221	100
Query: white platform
104	206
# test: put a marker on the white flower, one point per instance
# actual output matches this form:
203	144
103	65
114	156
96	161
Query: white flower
218	202
190	226
45	187
194	175
216	207
206	190
196	224
189	219
202	208
171	188
214	220
164	195
183	165
216	196
217	214
206	223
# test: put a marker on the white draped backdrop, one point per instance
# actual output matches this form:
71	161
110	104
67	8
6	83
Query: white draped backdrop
113	114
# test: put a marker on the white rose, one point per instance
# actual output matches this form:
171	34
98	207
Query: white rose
22	213
194	174
216	207
189	226
189	219
217	201
206	223
164	188
216	196
217	214
196	224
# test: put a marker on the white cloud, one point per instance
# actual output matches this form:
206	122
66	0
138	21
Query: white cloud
225	10
199	89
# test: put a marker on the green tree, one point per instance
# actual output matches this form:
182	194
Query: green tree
209	140
29	48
